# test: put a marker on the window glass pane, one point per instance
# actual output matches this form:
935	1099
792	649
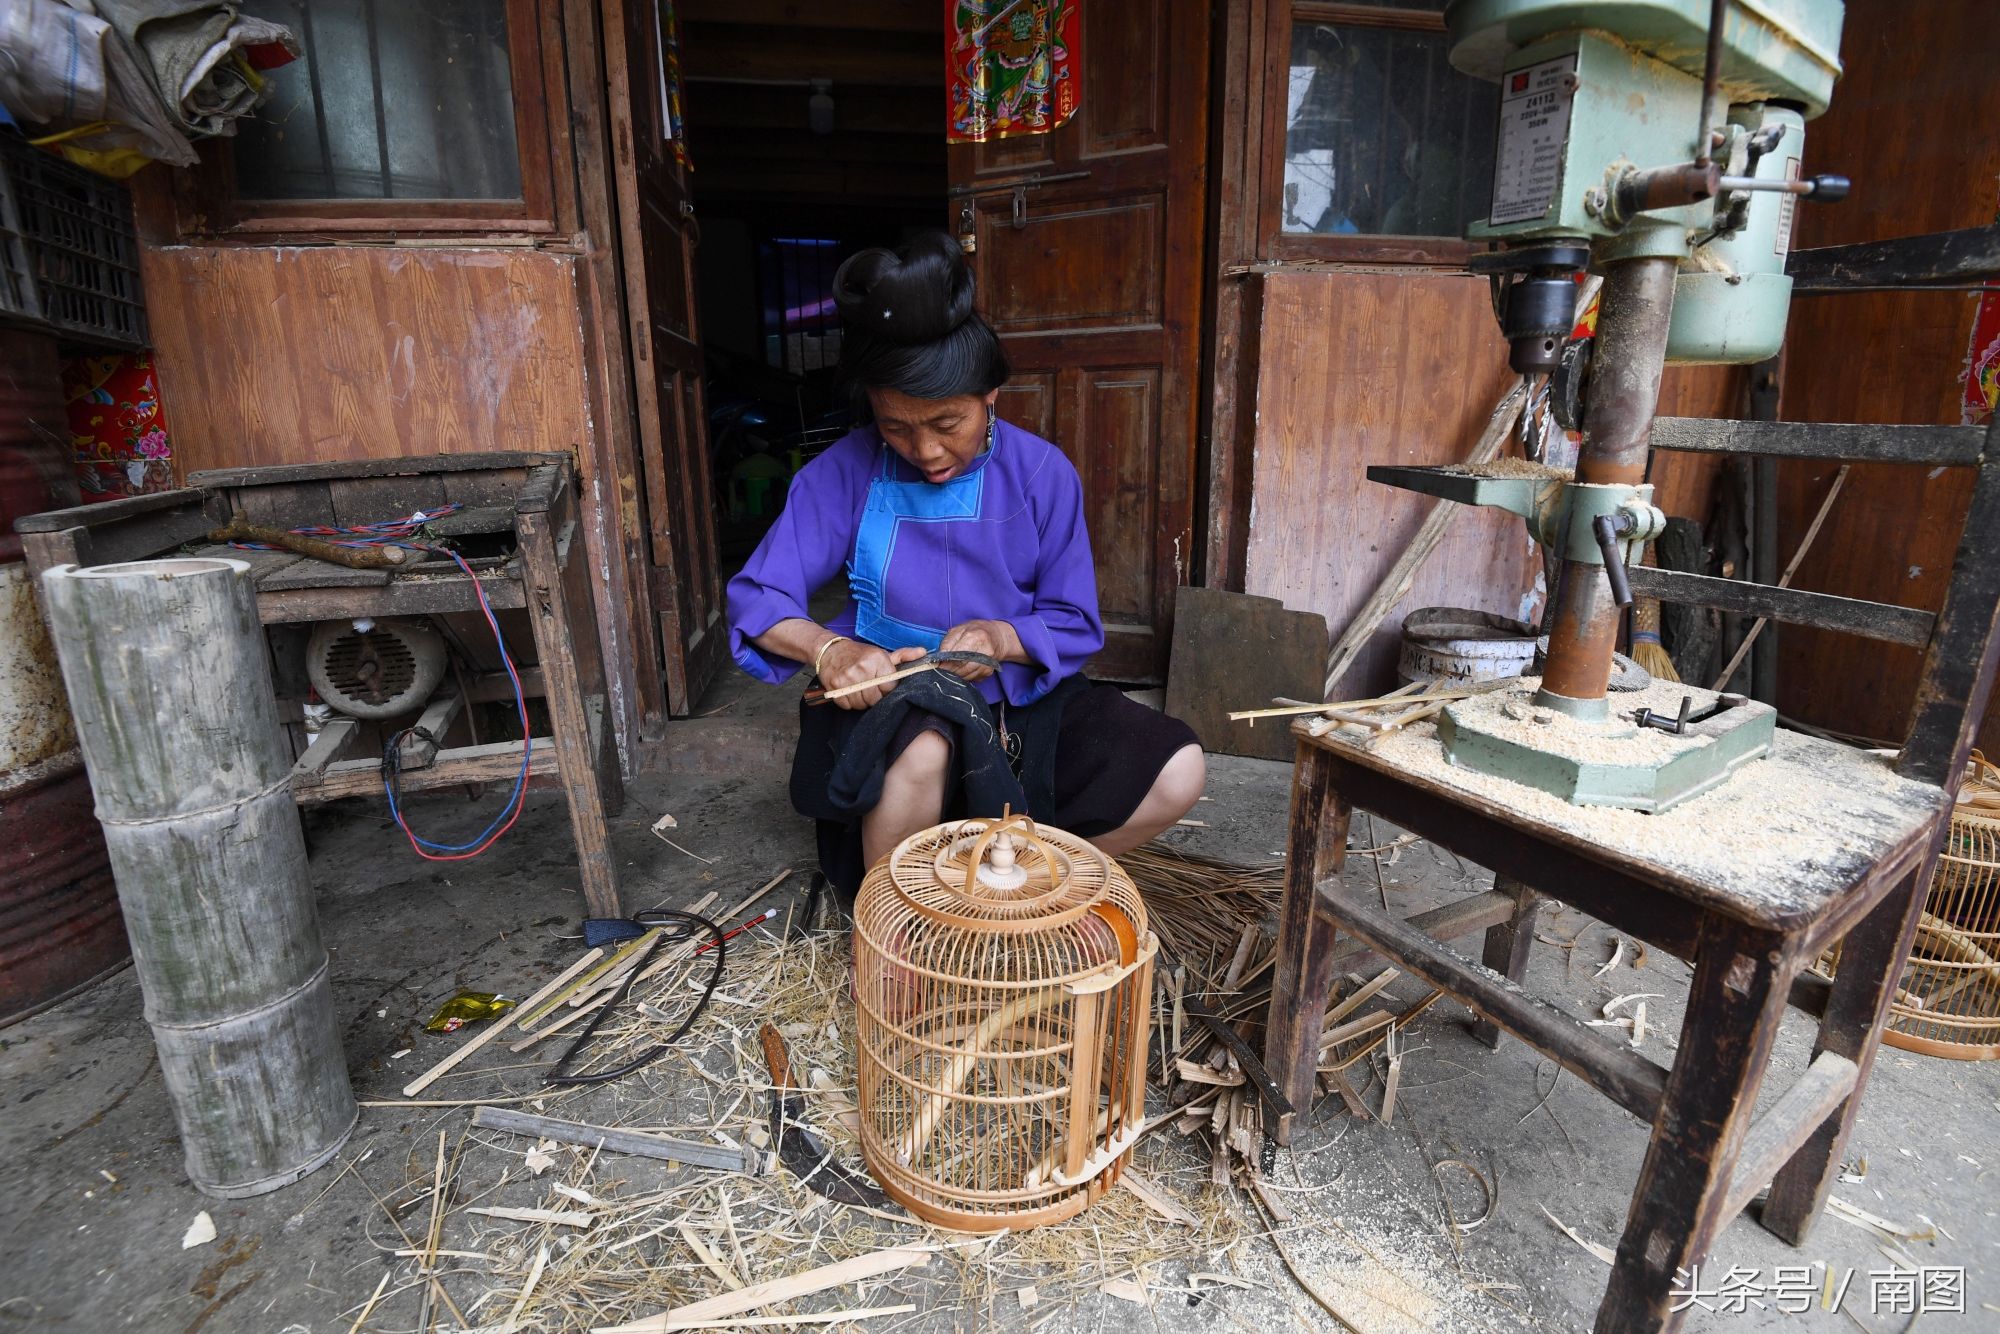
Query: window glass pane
1382	136
393	100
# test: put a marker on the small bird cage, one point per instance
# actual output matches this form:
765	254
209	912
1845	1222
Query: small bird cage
1003	976
1948	1001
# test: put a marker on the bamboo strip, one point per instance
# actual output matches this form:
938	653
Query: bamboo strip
1395	585
838	1274
499	1026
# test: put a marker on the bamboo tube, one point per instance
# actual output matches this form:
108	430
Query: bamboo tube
171	688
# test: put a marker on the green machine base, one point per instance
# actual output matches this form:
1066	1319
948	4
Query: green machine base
1613	763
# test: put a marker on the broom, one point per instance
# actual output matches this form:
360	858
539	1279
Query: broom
1647	650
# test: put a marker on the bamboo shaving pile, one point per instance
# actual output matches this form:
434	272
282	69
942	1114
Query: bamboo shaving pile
1215	921
580	1239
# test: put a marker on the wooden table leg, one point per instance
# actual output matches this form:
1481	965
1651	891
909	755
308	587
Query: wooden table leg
1871	963
1735	1003
1315	849
554	647
1507	946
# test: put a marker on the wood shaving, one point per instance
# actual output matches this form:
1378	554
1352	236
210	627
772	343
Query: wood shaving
1783	834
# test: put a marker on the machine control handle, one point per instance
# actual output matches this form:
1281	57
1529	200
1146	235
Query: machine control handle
1827	189
1609	528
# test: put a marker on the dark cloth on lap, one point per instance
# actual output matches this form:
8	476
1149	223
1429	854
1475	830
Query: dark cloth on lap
1082	758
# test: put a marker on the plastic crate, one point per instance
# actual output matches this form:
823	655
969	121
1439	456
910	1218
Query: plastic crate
68	252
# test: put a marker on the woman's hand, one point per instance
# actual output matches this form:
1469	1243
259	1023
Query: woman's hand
849	662
995	639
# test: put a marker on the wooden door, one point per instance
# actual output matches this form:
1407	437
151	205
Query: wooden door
1088	255
657	237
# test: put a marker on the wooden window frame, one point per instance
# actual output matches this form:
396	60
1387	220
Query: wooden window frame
1274	242
209	207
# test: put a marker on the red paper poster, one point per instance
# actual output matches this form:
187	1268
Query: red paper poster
1011	67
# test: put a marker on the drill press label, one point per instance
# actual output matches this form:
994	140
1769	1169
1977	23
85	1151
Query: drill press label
1534	126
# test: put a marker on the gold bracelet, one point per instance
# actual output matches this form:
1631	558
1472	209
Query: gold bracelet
820	656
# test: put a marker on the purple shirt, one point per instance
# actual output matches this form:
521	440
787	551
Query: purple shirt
1004	541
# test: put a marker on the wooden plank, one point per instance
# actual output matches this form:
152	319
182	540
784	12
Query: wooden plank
1967	255
478	518
1315	850
1330	400
1886	356
1947	446
1233	650
301	504
543	485
1871	620
331	743
365	351
263	564
496	762
140	536
1508	945
399	597
1810	992
1956	683
366	466
1601	883
106	512
1789	1121
477	487
365	500
309	573
1872	959
440	711
1735	1003
718	1157
1624	1076
565	663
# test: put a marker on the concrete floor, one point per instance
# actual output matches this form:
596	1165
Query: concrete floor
84	1102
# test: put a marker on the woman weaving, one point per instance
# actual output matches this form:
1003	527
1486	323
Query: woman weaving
961	536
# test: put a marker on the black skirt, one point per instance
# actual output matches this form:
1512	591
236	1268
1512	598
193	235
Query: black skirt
1109	751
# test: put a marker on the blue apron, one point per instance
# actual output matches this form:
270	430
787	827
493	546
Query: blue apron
890	505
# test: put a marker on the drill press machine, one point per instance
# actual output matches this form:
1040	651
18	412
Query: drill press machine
1657	143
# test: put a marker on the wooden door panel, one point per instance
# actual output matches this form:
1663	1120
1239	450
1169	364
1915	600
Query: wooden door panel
1072	266
667	280
1124	106
1093	280
1012	155
656	240
1118	411
1029	401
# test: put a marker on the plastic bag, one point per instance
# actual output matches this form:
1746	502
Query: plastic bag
468	1007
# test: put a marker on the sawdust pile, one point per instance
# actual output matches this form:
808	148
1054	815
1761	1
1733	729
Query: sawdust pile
1785	831
1512	715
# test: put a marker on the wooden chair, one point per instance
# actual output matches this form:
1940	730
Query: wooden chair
524	504
1708	1157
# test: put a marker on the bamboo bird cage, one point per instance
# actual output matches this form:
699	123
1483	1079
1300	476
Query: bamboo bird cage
1003	977
1948	1001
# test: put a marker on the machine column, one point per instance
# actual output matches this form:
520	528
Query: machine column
1625	375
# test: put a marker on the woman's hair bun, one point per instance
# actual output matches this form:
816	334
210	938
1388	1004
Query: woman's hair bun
917	293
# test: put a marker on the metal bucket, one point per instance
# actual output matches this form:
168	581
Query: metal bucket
60	930
1459	644
169	678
